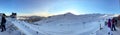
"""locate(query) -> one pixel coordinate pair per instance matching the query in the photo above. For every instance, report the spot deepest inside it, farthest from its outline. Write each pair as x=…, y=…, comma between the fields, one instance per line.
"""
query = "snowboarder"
x=3, y=21
x=113, y=24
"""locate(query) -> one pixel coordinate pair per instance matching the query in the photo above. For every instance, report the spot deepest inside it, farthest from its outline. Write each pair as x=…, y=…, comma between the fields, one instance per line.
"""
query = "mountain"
x=69, y=17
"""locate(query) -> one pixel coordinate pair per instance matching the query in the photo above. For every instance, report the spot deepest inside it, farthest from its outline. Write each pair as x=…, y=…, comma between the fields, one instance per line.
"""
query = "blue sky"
x=55, y=7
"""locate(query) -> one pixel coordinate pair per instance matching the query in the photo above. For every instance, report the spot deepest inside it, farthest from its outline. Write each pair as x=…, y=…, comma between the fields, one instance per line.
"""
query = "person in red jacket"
x=113, y=24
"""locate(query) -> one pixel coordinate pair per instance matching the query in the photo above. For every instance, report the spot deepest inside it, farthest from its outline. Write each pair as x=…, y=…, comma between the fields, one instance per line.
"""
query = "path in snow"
x=105, y=31
x=4, y=33
x=117, y=32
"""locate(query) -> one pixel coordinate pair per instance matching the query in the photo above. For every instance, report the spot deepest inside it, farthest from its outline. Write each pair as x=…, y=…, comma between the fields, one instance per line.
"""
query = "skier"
x=3, y=21
x=113, y=24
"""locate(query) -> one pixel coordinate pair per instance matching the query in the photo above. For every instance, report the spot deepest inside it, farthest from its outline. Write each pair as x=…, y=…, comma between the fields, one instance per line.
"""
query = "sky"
x=56, y=7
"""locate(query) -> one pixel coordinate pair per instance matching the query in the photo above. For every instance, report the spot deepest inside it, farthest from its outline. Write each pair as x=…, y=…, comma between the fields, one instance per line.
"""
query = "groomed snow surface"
x=67, y=24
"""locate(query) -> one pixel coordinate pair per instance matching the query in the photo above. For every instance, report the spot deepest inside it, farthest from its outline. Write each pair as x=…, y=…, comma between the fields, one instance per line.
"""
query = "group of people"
x=112, y=24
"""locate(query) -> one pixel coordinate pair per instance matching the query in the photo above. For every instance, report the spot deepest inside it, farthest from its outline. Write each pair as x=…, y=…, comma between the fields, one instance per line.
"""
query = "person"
x=3, y=21
x=105, y=23
x=113, y=24
x=109, y=26
x=109, y=23
x=13, y=15
x=116, y=21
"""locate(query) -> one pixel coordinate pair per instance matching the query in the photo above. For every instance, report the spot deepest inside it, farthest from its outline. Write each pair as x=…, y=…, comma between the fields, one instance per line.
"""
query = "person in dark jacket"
x=113, y=24
x=3, y=21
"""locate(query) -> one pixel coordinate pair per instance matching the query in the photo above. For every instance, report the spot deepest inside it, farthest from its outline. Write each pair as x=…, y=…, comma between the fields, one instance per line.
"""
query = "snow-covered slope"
x=72, y=19
x=11, y=29
x=65, y=24
x=69, y=24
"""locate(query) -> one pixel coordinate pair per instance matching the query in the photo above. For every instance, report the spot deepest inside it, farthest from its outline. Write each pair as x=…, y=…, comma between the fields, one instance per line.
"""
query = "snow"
x=66, y=24
x=24, y=28
x=105, y=31
x=4, y=33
